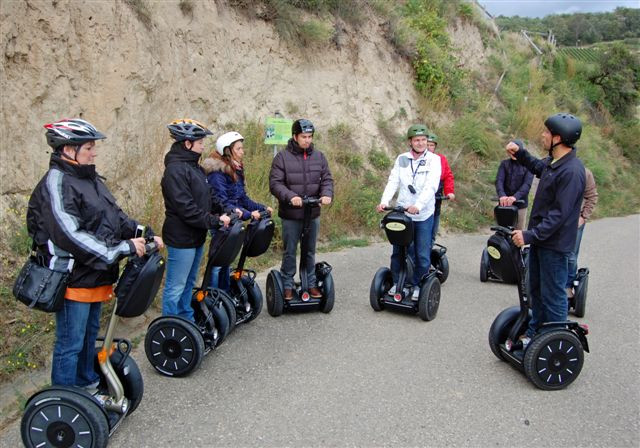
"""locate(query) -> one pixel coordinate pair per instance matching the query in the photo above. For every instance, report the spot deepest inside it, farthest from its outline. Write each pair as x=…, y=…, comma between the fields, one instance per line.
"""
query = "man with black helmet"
x=297, y=172
x=554, y=218
x=77, y=226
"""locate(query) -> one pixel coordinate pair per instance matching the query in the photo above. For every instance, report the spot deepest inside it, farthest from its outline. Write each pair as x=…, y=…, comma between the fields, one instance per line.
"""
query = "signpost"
x=277, y=131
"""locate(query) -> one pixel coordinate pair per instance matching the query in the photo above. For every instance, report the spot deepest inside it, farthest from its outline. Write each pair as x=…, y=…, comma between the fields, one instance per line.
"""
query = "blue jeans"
x=573, y=259
x=220, y=277
x=74, y=352
x=182, y=269
x=419, y=251
x=547, y=279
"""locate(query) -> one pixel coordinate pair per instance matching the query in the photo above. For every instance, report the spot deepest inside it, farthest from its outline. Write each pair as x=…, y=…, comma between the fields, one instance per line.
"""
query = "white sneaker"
x=526, y=340
x=416, y=293
x=392, y=290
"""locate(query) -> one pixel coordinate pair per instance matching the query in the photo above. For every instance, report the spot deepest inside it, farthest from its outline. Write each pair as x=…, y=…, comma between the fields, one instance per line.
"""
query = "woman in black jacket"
x=77, y=226
x=190, y=210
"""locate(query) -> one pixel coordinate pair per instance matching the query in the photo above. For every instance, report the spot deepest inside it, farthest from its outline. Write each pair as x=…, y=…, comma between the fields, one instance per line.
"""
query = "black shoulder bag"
x=39, y=287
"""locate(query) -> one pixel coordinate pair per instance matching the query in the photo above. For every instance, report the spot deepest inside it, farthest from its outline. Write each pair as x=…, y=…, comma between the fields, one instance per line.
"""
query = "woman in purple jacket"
x=225, y=175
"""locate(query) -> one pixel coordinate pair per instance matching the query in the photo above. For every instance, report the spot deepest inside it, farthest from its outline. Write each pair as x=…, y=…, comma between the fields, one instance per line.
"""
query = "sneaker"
x=392, y=290
x=569, y=293
x=416, y=293
x=525, y=340
x=315, y=293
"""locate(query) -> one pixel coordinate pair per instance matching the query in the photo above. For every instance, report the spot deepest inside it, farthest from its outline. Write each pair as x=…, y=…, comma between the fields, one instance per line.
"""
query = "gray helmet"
x=187, y=129
x=568, y=127
x=71, y=131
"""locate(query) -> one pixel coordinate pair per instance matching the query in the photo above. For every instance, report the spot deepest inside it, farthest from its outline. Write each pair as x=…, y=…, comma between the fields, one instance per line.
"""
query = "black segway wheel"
x=229, y=307
x=429, y=299
x=275, y=299
x=484, y=266
x=553, y=360
x=63, y=418
x=443, y=269
x=328, y=293
x=174, y=346
x=580, y=292
x=220, y=317
x=380, y=285
x=500, y=328
x=255, y=297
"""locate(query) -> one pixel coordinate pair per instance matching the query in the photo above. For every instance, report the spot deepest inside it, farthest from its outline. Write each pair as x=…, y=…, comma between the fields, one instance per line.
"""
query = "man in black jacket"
x=513, y=183
x=554, y=218
x=297, y=172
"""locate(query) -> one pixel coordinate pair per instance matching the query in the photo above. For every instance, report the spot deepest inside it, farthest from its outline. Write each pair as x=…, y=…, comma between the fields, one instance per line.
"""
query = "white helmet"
x=227, y=139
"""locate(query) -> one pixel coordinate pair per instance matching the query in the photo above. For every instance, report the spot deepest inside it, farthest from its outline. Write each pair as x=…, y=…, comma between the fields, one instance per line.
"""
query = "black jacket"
x=295, y=172
x=553, y=223
x=514, y=180
x=190, y=208
x=77, y=225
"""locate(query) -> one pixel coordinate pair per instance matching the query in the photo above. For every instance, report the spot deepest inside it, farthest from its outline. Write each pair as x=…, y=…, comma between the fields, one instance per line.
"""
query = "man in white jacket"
x=415, y=177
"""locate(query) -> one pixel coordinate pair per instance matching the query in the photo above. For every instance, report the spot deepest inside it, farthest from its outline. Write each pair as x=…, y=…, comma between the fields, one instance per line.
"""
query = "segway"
x=578, y=302
x=554, y=357
x=492, y=266
x=174, y=345
x=399, y=230
x=302, y=300
x=65, y=416
x=245, y=293
x=439, y=259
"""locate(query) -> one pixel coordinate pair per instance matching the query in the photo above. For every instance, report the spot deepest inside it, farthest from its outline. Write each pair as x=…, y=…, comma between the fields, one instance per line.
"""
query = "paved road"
x=360, y=378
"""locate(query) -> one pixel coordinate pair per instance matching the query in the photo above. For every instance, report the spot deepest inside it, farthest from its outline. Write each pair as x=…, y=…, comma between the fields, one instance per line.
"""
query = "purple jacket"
x=295, y=172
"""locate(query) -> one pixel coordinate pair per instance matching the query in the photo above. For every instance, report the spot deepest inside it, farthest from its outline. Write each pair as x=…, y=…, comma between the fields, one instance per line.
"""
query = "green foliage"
x=580, y=28
x=466, y=11
x=379, y=159
x=619, y=78
x=626, y=135
x=472, y=134
x=314, y=32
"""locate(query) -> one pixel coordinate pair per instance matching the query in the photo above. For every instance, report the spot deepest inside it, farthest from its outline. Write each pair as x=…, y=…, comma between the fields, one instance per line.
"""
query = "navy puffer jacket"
x=232, y=194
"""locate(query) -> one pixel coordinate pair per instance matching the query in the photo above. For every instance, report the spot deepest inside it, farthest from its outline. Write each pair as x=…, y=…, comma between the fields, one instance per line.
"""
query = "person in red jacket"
x=447, y=184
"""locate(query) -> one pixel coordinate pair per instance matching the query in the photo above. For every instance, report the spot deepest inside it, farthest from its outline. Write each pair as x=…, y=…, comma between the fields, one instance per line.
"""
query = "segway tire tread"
x=553, y=360
x=164, y=345
x=67, y=414
x=429, y=298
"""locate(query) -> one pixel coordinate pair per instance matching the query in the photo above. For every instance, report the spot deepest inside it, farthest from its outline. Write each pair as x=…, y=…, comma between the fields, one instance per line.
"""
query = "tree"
x=619, y=78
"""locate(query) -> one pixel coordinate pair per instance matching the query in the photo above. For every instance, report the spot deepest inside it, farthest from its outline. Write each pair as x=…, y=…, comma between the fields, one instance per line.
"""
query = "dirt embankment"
x=98, y=60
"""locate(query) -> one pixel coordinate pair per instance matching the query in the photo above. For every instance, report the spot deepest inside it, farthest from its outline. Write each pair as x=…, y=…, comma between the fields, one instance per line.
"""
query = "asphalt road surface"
x=360, y=378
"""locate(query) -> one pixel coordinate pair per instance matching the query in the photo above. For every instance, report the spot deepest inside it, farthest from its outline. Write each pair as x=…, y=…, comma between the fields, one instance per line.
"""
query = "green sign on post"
x=277, y=131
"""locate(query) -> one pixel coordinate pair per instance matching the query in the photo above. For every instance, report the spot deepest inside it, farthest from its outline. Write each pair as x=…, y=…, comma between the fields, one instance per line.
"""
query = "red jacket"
x=446, y=178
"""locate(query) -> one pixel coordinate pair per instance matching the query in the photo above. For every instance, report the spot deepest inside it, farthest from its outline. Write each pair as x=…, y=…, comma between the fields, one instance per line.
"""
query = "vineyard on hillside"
x=581, y=54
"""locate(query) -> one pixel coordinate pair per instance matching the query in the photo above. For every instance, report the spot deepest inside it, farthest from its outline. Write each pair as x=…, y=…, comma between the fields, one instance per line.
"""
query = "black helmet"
x=566, y=126
x=71, y=131
x=302, y=125
x=187, y=129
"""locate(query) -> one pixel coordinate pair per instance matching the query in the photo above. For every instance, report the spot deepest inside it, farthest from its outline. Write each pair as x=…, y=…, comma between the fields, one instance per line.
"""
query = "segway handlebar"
x=397, y=208
x=150, y=245
x=504, y=231
x=263, y=214
x=517, y=202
